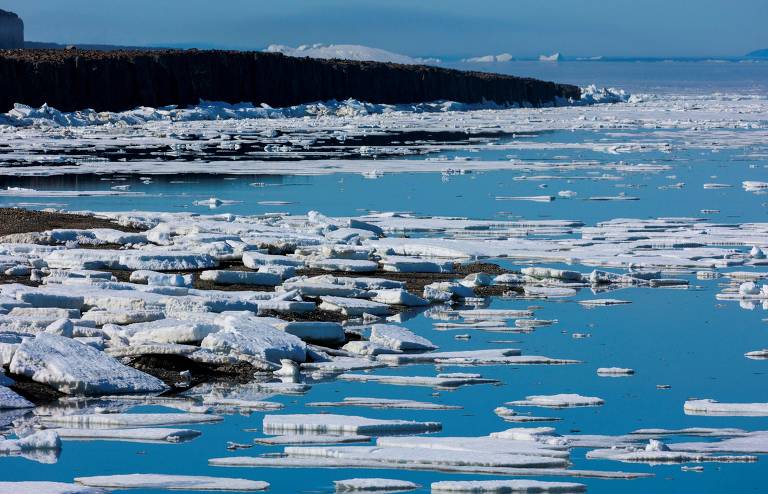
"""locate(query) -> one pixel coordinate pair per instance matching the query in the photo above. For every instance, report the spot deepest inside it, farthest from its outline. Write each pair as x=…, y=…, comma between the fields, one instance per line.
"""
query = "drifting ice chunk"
x=384, y=403
x=298, y=439
x=343, y=424
x=712, y=407
x=241, y=278
x=603, y=301
x=112, y=420
x=475, y=355
x=344, y=364
x=142, y=435
x=172, y=482
x=74, y=368
x=441, y=381
x=506, y=486
x=548, y=291
x=558, y=401
x=614, y=371
x=440, y=458
x=398, y=338
x=375, y=484
x=46, y=488
x=40, y=440
x=510, y=415
x=354, y=307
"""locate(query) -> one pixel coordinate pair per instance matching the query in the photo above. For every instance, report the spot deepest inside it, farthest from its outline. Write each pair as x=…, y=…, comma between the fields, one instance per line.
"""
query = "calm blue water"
x=684, y=338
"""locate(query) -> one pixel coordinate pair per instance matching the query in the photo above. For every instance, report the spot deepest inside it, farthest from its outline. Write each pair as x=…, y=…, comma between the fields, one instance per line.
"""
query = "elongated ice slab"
x=343, y=424
x=506, y=486
x=374, y=485
x=712, y=407
x=172, y=482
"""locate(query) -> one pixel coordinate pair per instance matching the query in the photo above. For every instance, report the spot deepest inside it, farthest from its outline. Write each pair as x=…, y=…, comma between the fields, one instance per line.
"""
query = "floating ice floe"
x=614, y=371
x=510, y=415
x=141, y=435
x=506, y=486
x=299, y=439
x=343, y=424
x=172, y=482
x=374, y=484
x=384, y=403
x=39, y=487
x=558, y=401
x=450, y=380
x=399, y=338
x=116, y=420
x=712, y=407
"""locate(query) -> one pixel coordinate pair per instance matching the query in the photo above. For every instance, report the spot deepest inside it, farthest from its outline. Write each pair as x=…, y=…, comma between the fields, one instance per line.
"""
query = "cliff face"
x=120, y=80
x=11, y=31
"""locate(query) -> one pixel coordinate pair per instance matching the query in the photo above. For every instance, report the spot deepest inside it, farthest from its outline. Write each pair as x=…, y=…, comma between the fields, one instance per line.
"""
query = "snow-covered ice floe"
x=374, y=485
x=35, y=487
x=172, y=482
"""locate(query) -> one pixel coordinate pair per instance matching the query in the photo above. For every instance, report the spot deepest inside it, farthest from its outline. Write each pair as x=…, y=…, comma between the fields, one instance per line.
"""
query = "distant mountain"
x=349, y=52
x=758, y=53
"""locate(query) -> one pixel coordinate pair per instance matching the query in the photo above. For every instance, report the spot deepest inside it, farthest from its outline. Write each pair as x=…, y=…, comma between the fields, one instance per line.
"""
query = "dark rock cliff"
x=120, y=80
x=11, y=30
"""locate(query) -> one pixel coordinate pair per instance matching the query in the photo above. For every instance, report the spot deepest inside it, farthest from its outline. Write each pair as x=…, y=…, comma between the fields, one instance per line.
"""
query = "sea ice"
x=74, y=368
x=343, y=424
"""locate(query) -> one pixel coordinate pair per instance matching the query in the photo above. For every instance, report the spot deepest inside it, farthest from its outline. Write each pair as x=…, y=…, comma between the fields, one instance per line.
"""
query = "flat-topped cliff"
x=11, y=30
x=120, y=80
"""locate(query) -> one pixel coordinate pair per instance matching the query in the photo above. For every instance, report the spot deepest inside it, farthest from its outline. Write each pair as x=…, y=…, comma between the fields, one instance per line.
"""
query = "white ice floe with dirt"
x=74, y=368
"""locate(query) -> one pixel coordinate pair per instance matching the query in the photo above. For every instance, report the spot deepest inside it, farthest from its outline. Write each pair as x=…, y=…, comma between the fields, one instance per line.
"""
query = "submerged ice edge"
x=23, y=115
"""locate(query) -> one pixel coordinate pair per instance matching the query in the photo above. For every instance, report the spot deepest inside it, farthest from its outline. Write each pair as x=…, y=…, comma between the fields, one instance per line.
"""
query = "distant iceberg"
x=349, y=52
x=501, y=57
x=555, y=57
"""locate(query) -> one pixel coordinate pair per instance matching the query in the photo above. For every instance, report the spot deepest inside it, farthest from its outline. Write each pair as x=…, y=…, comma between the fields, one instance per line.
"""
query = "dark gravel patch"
x=18, y=220
x=168, y=369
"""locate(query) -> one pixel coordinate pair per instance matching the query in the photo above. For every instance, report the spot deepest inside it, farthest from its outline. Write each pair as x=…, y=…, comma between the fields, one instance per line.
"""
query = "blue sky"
x=415, y=27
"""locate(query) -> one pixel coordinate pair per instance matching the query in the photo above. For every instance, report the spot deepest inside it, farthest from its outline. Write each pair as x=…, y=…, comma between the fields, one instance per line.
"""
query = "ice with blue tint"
x=682, y=147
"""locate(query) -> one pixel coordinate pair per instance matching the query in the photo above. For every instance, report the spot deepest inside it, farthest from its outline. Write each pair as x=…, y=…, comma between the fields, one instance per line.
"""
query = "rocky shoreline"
x=75, y=79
